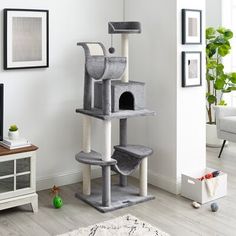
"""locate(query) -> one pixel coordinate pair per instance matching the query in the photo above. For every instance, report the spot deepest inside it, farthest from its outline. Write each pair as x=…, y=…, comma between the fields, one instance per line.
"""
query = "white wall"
x=191, y=123
x=214, y=13
x=42, y=102
x=153, y=60
x=177, y=133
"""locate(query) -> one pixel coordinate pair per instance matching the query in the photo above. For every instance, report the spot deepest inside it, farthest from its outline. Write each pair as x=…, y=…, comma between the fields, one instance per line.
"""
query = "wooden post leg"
x=34, y=203
x=87, y=148
x=143, y=177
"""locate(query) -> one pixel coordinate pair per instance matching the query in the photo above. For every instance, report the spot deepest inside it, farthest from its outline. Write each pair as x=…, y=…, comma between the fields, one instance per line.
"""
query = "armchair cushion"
x=223, y=111
x=228, y=124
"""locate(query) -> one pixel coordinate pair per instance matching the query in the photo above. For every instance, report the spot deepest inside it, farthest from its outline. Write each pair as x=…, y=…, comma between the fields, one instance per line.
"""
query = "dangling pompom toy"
x=111, y=49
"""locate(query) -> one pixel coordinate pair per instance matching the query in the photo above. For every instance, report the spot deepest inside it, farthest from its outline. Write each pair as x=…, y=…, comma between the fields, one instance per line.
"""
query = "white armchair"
x=226, y=124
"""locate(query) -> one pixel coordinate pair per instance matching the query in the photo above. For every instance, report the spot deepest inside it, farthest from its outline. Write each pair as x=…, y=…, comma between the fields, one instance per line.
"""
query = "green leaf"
x=210, y=77
x=211, y=64
x=210, y=33
x=222, y=103
x=232, y=77
x=221, y=30
x=233, y=88
x=219, y=84
x=211, y=49
x=223, y=77
x=220, y=69
x=211, y=99
x=228, y=34
x=223, y=50
x=220, y=40
x=228, y=90
x=220, y=66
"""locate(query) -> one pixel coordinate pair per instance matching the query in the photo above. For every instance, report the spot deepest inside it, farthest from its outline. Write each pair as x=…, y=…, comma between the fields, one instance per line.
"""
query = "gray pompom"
x=111, y=50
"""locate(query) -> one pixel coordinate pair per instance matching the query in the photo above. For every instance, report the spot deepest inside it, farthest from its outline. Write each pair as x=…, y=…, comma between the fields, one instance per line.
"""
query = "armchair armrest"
x=222, y=111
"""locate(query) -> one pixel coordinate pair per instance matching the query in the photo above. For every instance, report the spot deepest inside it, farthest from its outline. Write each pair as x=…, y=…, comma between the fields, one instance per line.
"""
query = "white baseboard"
x=157, y=180
x=64, y=179
x=163, y=182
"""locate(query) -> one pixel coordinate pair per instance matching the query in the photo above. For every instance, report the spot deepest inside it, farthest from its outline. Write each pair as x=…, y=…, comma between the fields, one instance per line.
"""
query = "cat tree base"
x=121, y=197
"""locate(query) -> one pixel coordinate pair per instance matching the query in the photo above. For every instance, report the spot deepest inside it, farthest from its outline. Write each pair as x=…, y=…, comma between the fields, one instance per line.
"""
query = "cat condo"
x=114, y=96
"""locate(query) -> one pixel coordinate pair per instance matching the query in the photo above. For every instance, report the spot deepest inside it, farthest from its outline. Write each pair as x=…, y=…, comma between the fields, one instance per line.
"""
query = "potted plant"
x=218, y=82
x=13, y=132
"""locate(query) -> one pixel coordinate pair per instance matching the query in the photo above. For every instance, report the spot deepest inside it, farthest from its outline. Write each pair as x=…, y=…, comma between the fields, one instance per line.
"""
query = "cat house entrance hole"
x=126, y=101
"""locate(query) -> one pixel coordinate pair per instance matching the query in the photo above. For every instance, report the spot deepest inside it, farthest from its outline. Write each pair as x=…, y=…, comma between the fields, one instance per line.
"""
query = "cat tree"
x=113, y=99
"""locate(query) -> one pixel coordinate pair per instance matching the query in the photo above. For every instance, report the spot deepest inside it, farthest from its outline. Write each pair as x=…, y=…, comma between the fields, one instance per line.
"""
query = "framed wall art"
x=191, y=26
x=191, y=69
x=25, y=38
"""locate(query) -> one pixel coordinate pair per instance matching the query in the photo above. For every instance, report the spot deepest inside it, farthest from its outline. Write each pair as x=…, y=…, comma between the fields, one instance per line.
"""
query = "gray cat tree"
x=112, y=99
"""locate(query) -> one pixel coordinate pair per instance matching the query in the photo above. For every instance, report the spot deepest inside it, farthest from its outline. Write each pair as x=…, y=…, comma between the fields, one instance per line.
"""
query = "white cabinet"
x=18, y=177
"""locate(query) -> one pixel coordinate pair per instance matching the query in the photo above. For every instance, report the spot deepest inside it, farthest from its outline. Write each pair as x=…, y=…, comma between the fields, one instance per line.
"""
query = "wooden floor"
x=172, y=214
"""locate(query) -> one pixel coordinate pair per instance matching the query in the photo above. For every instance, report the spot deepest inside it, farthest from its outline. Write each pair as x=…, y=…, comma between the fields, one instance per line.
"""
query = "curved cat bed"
x=102, y=67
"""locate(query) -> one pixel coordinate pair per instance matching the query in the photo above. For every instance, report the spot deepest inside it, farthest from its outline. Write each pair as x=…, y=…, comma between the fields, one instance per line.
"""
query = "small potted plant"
x=13, y=132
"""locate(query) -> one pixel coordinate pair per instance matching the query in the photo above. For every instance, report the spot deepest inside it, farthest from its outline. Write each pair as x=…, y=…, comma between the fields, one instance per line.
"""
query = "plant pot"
x=13, y=135
x=211, y=136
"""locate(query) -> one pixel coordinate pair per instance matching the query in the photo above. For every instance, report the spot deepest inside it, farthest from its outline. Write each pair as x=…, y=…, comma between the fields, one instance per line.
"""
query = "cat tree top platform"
x=122, y=114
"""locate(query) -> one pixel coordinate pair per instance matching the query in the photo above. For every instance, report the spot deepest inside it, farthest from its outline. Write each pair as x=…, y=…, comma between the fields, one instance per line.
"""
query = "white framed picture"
x=25, y=38
x=191, y=69
x=191, y=26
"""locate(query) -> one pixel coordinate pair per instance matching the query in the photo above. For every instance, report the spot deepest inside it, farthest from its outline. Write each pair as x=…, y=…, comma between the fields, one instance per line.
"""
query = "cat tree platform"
x=122, y=114
x=124, y=27
x=120, y=197
x=93, y=158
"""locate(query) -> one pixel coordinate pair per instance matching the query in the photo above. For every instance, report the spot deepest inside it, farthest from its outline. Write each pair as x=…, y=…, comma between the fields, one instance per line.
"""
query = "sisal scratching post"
x=143, y=177
x=125, y=53
x=86, y=148
x=123, y=142
x=106, y=170
x=107, y=140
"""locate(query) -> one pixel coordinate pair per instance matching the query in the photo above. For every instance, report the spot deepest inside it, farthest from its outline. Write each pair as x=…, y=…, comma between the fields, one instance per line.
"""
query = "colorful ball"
x=57, y=202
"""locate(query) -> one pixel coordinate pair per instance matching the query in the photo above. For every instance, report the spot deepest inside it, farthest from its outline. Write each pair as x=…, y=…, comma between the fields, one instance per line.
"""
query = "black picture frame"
x=192, y=69
x=1, y=110
x=25, y=50
x=195, y=36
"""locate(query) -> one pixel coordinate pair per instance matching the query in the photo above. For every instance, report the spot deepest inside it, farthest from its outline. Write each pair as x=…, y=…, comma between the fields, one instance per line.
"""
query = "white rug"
x=125, y=225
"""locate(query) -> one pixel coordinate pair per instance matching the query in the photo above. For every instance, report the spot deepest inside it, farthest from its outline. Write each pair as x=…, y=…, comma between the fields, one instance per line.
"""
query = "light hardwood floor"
x=172, y=214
